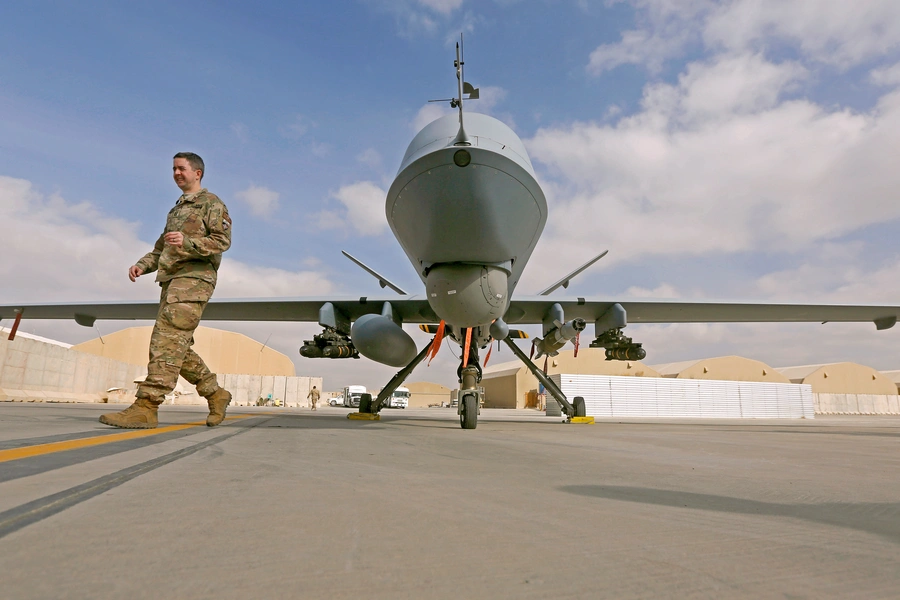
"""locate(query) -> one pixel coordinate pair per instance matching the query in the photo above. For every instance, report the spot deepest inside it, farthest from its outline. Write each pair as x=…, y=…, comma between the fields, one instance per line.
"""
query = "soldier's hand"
x=174, y=238
x=134, y=272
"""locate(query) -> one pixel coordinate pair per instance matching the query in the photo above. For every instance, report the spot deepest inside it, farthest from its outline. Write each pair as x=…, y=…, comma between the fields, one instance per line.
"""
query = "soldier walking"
x=186, y=257
x=313, y=396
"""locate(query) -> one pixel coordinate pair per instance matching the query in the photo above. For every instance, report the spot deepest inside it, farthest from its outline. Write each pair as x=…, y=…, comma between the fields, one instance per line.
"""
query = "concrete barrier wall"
x=35, y=371
x=856, y=404
x=246, y=390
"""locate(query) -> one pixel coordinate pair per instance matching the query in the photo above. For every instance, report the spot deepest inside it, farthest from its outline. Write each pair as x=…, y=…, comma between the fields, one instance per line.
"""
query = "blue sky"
x=741, y=149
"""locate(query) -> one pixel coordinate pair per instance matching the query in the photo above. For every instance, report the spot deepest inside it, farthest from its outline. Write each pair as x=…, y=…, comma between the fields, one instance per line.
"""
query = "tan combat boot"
x=140, y=415
x=217, y=403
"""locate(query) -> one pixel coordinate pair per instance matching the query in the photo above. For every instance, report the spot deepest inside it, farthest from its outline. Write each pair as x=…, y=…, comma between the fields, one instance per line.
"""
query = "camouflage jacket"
x=204, y=221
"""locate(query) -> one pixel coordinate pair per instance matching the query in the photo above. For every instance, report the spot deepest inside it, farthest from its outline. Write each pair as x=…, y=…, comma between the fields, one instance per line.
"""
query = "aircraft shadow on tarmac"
x=892, y=433
x=341, y=422
x=306, y=422
x=826, y=431
x=878, y=518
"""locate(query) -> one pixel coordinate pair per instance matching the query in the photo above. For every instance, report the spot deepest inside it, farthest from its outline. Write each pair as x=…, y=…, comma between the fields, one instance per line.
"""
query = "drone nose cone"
x=467, y=295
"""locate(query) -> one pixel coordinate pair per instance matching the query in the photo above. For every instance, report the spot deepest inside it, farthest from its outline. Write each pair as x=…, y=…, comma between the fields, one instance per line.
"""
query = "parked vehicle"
x=399, y=399
x=352, y=394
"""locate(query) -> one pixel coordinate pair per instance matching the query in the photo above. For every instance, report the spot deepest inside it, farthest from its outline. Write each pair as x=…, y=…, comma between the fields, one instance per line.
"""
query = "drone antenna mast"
x=461, y=138
x=462, y=87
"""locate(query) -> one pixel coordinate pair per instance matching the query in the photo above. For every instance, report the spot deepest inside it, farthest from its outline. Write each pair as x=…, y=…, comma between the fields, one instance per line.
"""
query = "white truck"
x=399, y=399
x=352, y=394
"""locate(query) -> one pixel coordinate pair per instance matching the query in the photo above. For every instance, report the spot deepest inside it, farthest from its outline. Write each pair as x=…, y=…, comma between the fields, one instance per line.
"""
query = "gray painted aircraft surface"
x=467, y=210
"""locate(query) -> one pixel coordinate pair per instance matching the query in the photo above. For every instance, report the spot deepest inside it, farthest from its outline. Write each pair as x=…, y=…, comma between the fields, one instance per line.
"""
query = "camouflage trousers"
x=181, y=305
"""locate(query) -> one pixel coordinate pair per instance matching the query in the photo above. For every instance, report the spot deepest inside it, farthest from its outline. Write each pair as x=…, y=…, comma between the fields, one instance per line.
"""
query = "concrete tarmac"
x=284, y=503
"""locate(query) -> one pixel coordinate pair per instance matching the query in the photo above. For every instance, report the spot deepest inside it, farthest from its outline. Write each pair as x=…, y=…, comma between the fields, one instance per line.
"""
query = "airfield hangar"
x=423, y=394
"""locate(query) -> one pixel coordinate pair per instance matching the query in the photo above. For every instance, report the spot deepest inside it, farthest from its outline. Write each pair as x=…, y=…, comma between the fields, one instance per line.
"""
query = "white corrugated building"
x=511, y=384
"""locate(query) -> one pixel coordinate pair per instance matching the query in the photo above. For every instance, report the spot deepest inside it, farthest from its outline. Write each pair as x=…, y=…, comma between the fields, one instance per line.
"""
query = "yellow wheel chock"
x=357, y=416
x=583, y=420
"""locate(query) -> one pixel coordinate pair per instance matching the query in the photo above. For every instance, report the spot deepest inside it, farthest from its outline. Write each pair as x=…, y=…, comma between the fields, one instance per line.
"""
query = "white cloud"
x=665, y=28
x=68, y=252
x=834, y=32
x=777, y=344
x=417, y=17
x=312, y=262
x=83, y=254
x=428, y=113
x=444, y=7
x=330, y=219
x=364, y=209
x=262, y=201
x=319, y=149
x=57, y=250
x=490, y=96
x=717, y=163
x=739, y=84
x=664, y=290
x=296, y=128
x=886, y=76
x=240, y=280
x=727, y=163
x=637, y=48
x=370, y=157
x=840, y=274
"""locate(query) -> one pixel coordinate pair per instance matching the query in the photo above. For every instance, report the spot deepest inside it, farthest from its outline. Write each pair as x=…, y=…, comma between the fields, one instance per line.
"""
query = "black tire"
x=365, y=403
x=580, y=408
x=468, y=412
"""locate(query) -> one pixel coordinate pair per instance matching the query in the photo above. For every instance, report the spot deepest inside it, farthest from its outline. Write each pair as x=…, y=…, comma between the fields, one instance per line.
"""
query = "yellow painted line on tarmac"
x=40, y=449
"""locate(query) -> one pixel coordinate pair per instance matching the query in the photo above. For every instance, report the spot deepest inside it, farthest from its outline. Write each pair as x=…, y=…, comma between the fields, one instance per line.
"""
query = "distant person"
x=313, y=396
x=186, y=257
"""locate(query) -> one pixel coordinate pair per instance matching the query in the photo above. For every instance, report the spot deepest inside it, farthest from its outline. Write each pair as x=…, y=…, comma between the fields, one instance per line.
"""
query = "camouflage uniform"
x=313, y=396
x=187, y=276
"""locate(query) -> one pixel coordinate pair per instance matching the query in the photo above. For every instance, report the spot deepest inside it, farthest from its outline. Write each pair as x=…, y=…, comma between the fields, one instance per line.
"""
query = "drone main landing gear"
x=576, y=411
x=369, y=408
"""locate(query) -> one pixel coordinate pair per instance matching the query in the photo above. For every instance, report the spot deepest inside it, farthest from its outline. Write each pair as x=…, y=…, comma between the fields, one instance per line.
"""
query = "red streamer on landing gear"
x=436, y=343
x=468, y=347
x=577, y=338
x=545, y=363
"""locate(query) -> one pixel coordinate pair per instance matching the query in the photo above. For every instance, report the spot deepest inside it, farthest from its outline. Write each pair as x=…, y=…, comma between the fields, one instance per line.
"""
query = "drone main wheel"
x=580, y=408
